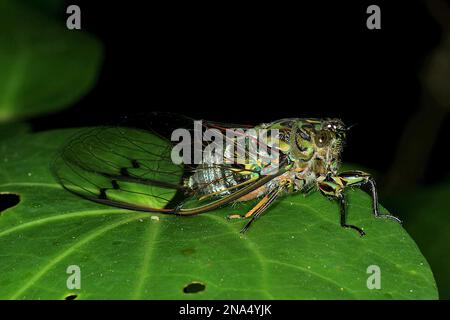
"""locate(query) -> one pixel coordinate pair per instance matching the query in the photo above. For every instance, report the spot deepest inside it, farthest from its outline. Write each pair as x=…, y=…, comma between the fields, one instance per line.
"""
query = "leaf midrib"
x=149, y=248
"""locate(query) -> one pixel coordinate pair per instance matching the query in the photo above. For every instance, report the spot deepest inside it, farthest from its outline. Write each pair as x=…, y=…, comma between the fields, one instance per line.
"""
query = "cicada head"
x=319, y=142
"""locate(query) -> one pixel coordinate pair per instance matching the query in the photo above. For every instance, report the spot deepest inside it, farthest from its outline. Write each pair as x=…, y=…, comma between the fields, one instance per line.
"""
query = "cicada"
x=139, y=168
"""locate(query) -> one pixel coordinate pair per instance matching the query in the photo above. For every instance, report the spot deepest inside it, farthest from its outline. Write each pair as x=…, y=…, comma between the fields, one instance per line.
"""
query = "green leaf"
x=427, y=219
x=44, y=66
x=297, y=250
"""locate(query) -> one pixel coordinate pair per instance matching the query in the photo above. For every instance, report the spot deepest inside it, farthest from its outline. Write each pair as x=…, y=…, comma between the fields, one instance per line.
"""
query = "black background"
x=263, y=61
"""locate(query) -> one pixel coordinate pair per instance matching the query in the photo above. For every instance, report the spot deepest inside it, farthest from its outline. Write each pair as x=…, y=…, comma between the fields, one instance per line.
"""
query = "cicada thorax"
x=295, y=137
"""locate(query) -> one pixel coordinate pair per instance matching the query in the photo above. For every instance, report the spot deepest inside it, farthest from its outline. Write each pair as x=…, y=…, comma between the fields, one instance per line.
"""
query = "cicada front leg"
x=360, y=179
x=333, y=186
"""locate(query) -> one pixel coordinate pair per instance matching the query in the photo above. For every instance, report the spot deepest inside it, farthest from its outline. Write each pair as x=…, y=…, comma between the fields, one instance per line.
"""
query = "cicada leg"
x=262, y=206
x=343, y=215
x=333, y=186
x=359, y=179
x=252, y=195
x=266, y=201
x=251, y=211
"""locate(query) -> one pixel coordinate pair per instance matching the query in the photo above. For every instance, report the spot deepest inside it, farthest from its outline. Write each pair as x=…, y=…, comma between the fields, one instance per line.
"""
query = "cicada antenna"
x=350, y=126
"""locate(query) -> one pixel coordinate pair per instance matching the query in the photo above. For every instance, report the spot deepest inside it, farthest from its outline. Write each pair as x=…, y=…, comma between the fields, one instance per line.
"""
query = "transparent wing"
x=119, y=166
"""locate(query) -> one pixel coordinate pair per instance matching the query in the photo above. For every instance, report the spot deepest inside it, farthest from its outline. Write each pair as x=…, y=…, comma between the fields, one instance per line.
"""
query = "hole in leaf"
x=71, y=297
x=194, y=287
x=8, y=200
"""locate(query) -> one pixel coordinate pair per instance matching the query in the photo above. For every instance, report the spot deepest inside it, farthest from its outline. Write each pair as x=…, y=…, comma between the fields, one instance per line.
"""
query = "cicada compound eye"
x=322, y=138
